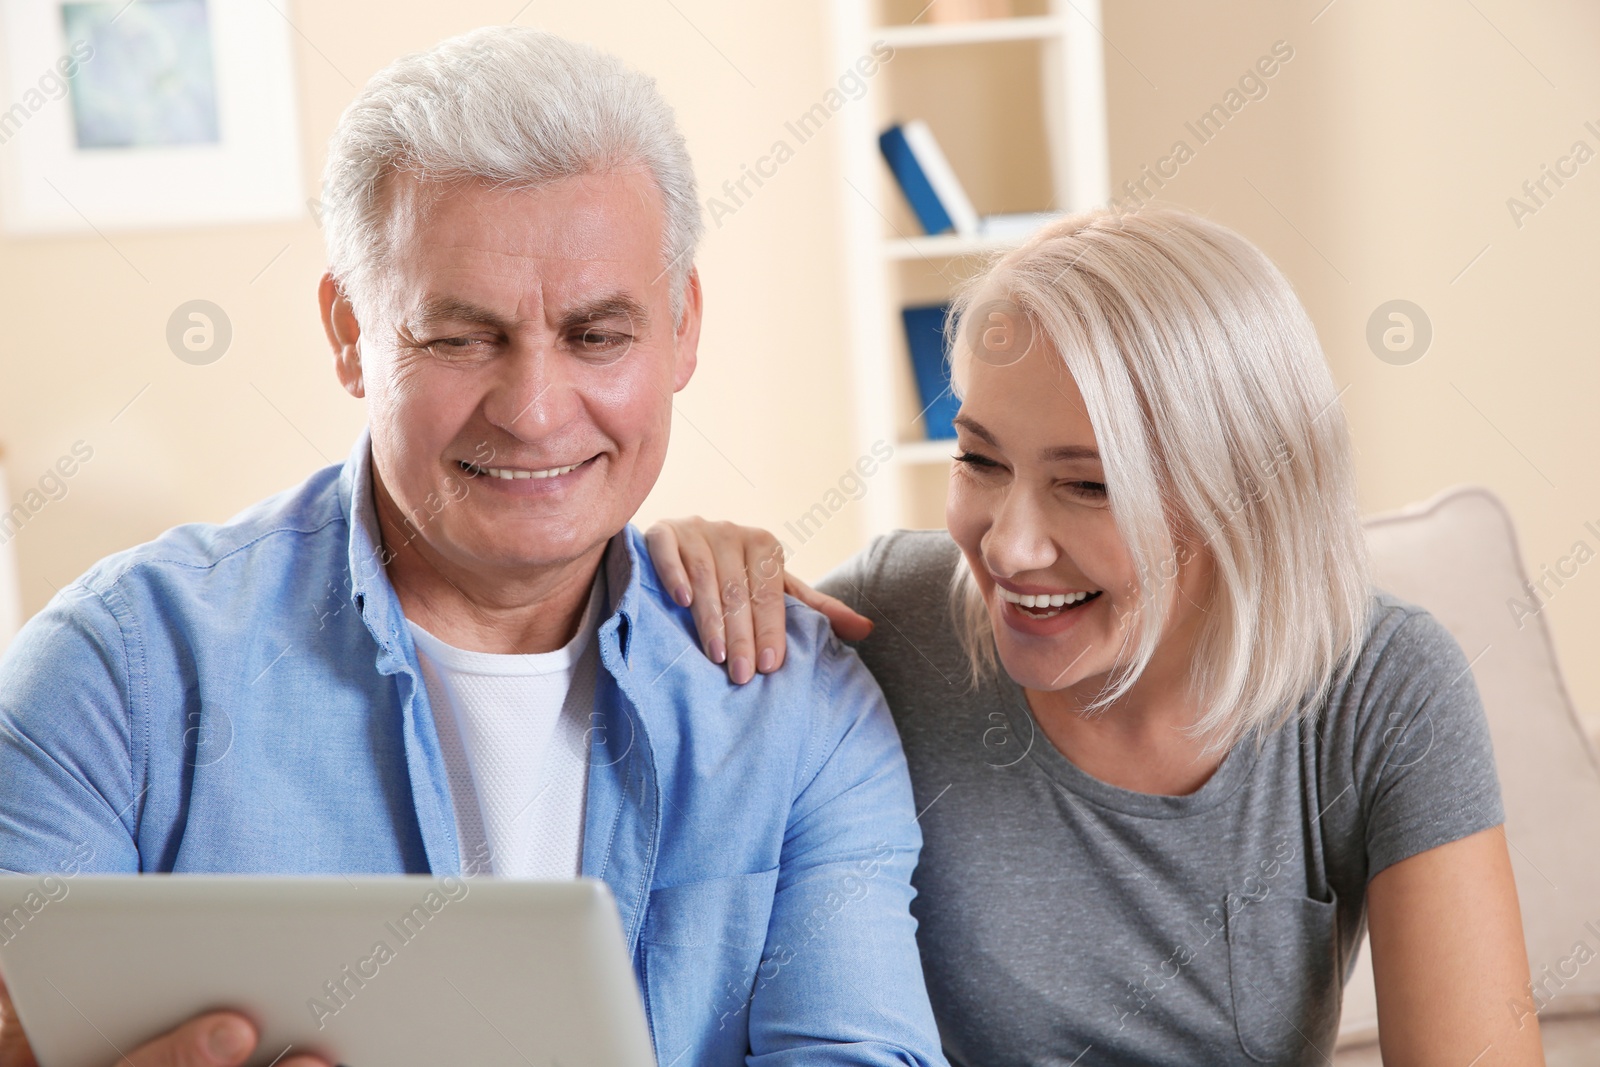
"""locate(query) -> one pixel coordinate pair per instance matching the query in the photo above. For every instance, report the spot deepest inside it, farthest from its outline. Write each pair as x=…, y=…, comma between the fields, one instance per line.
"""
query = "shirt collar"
x=370, y=592
x=624, y=585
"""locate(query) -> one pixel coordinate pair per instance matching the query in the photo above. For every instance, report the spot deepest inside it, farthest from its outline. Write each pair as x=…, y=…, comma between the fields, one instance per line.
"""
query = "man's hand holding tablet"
x=216, y=1039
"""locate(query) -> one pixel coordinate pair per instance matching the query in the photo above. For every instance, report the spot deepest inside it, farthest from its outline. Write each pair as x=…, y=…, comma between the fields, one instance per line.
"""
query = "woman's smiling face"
x=1028, y=505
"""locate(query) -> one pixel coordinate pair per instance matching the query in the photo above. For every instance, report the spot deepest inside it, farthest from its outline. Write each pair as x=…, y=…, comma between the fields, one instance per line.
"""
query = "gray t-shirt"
x=1067, y=921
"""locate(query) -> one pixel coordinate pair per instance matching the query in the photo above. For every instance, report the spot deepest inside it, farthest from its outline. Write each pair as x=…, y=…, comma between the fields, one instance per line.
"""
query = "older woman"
x=1172, y=752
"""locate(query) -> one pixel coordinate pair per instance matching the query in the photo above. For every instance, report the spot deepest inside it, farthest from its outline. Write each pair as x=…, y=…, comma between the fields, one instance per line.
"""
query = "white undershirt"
x=513, y=730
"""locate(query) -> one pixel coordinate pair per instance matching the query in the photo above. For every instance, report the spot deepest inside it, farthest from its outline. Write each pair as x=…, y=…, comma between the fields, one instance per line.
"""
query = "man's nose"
x=532, y=396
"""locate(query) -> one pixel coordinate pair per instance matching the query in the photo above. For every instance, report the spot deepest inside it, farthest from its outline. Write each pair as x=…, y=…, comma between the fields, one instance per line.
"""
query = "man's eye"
x=452, y=347
x=596, y=340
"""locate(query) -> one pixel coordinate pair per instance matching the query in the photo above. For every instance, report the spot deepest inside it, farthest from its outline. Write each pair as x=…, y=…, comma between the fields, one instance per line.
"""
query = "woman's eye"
x=974, y=460
x=1096, y=490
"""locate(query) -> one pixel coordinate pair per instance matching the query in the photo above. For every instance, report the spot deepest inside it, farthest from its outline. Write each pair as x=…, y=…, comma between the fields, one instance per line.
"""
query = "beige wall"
x=1377, y=167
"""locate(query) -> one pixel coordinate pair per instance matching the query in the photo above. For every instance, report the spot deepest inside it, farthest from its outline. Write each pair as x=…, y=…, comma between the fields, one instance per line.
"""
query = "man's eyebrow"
x=451, y=309
x=615, y=306
x=1059, y=452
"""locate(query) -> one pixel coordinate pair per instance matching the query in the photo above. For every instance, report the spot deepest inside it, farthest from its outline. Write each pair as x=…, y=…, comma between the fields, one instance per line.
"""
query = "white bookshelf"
x=1072, y=102
x=922, y=35
x=942, y=246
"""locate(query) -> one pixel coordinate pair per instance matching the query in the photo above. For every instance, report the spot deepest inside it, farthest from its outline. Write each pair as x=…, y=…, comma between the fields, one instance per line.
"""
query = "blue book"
x=930, y=362
x=914, y=180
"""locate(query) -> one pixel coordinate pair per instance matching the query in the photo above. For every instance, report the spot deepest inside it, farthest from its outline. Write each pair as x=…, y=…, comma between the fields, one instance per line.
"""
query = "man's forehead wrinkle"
x=400, y=228
x=567, y=264
x=409, y=203
x=566, y=259
x=473, y=201
x=584, y=233
x=422, y=218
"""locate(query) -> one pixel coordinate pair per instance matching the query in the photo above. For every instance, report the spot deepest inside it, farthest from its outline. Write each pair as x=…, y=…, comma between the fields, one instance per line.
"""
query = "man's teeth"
x=508, y=473
x=1044, y=600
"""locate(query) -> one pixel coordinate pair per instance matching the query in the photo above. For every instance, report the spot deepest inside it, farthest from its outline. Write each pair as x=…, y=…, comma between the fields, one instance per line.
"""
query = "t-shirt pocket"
x=1283, y=966
x=701, y=945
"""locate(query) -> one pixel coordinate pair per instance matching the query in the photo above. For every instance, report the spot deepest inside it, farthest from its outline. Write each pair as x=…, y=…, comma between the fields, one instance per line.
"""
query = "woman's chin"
x=1045, y=669
x=1049, y=652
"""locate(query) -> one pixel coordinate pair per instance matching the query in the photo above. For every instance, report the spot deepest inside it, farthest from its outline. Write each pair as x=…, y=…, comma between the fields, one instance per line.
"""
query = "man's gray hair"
x=509, y=105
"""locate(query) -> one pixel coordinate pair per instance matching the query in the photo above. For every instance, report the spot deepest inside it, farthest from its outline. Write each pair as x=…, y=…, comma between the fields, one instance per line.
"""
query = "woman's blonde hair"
x=1218, y=425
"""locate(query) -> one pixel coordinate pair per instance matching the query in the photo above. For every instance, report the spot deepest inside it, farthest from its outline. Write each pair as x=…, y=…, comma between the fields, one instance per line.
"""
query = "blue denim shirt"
x=246, y=698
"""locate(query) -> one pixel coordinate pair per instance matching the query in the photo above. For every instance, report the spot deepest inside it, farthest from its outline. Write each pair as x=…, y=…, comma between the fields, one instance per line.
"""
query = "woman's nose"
x=1019, y=540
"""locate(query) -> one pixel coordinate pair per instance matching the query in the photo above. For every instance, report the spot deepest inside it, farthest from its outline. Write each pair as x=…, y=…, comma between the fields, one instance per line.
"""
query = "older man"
x=451, y=651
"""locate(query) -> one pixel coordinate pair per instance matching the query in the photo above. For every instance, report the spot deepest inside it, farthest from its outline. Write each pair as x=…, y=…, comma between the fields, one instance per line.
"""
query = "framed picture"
x=138, y=114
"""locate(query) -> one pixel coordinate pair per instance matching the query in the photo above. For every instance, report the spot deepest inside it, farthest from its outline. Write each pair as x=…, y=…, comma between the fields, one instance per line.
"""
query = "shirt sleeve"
x=1425, y=750
x=67, y=797
x=840, y=980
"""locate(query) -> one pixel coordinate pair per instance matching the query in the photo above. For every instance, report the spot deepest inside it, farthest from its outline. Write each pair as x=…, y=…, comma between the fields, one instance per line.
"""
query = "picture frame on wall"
x=147, y=114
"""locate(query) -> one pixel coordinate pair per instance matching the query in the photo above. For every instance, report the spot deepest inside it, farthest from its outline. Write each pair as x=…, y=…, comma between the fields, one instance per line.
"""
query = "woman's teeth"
x=509, y=473
x=1046, y=605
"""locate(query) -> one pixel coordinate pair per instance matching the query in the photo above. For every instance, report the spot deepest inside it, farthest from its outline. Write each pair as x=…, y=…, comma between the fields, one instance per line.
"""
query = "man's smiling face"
x=520, y=367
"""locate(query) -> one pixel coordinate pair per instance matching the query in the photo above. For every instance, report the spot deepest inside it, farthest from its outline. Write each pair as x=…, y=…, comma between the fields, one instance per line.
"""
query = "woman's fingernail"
x=681, y=595
x=767, y=660
x=740, y=671
x=719, y=651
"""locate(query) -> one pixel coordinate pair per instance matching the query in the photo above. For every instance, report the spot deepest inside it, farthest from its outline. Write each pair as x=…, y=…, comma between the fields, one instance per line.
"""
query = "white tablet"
x=365, y=971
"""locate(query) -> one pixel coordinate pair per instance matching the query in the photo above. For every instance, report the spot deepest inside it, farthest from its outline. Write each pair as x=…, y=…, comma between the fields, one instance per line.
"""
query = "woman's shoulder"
x=1409, y=732
x=1405, y=641
x=902, y=583
x=900, y=568
x=1405, y=661
x=1409, y=693
x=1407, y=687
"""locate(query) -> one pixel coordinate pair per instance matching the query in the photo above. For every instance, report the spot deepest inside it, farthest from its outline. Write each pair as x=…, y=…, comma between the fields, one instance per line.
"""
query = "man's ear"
x=344, y=335
x=687, y=345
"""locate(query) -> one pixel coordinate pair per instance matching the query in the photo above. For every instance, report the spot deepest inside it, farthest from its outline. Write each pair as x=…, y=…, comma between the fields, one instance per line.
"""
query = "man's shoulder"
x=277, y=524
x=820, y=689
x=197, y=597
x=668, y=639
x=773, y=749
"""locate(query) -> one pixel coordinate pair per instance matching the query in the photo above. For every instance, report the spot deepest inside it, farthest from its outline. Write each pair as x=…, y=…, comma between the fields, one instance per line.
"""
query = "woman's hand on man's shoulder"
x=732, y=580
